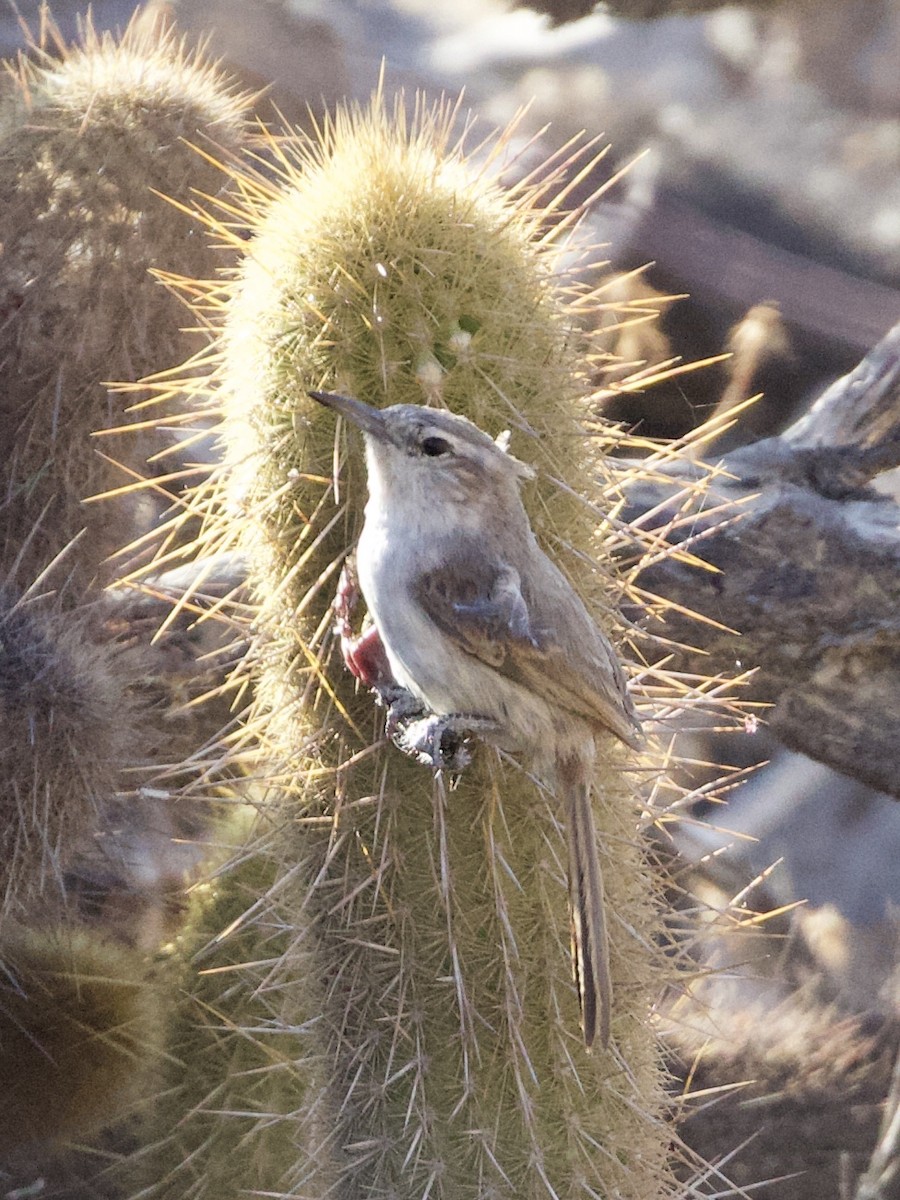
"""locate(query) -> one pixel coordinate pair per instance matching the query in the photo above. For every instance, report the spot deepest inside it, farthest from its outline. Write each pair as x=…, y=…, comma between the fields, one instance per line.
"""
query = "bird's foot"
x=403, y=709
x=442, y=742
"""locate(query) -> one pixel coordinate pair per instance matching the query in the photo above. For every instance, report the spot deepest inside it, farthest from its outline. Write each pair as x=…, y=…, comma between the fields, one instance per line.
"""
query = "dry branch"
x=807, y=580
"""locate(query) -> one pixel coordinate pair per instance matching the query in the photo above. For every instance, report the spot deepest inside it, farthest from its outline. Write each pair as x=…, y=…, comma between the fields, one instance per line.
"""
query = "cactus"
x=69, y=732
x=395, y=1016
x=89, y=146
x=81, y=1033
x=86, y=143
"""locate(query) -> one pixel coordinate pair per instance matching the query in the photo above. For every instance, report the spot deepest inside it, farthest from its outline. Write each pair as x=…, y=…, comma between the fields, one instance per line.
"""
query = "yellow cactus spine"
x=404, y=986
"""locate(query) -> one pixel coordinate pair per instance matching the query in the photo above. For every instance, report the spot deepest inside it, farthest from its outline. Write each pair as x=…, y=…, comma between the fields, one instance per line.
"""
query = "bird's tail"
x=590, y=946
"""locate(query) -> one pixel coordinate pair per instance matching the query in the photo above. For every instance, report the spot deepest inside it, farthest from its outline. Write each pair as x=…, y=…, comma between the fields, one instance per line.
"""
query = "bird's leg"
x=404, y=709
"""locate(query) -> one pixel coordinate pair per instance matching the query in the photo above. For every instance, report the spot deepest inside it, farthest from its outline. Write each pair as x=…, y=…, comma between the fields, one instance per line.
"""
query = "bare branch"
x=809, y=575
x=561, y=11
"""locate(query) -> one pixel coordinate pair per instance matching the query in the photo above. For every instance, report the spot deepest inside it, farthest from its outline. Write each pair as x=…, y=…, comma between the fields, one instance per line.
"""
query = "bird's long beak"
x=363, y=416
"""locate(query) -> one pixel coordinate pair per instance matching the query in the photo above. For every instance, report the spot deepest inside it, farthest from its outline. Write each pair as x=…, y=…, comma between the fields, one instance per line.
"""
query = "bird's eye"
x=434, y=446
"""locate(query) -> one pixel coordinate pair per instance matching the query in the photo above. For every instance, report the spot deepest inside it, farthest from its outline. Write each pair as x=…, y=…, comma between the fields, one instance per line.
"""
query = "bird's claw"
x=403, y=709
x=442, y=742
x=433, y=743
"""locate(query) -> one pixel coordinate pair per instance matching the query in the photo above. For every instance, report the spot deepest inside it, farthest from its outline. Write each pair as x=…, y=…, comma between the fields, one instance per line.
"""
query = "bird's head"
x=434, y=455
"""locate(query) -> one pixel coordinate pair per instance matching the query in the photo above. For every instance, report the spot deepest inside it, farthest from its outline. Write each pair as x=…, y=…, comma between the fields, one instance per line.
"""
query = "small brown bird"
x=488, y=635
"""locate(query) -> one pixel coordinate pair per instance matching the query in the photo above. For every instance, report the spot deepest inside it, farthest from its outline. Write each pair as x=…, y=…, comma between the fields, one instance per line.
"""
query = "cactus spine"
x=405, y=983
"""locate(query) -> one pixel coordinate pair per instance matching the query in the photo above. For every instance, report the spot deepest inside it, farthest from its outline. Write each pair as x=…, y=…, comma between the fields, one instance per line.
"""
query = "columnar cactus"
x=69, y=733
x=81, y=1034
x=89, y=147
x=396, y=1015
x=87, y=144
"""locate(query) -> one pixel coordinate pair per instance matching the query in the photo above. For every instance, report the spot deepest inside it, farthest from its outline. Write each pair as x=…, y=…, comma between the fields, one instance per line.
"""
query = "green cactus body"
x=89, y=146
x=419, y=998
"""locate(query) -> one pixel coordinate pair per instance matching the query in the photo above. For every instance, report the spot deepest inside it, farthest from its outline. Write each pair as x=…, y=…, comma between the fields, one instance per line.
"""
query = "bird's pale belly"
x=456, y=684
x=449, y=681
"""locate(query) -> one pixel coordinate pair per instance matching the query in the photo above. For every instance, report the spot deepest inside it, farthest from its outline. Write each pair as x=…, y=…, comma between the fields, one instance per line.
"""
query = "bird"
x=485, y=633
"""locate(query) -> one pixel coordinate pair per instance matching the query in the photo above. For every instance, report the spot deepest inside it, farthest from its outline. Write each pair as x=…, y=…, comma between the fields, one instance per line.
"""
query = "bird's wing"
x=478, y=604
x=586, y=679
x=552, y=648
